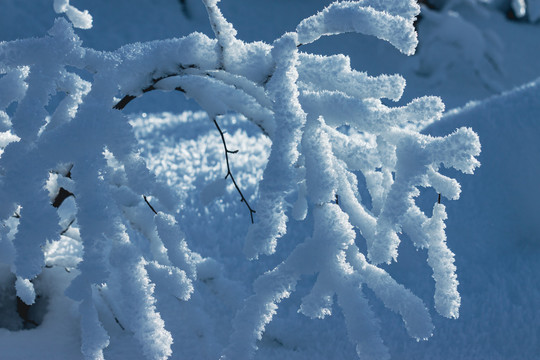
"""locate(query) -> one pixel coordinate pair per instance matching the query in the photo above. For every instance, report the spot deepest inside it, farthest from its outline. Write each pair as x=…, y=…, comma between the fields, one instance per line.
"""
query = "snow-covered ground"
x=481, y=64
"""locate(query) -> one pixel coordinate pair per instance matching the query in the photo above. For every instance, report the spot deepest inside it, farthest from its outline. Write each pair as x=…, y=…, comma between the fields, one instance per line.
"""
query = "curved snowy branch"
x=359, y=16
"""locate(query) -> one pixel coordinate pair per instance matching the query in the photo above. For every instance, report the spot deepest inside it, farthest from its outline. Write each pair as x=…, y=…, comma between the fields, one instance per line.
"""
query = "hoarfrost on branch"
x=327, y=123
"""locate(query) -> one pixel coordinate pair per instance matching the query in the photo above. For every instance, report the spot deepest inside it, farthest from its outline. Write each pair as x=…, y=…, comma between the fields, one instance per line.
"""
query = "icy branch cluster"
x=86, y=148
x=327, y=124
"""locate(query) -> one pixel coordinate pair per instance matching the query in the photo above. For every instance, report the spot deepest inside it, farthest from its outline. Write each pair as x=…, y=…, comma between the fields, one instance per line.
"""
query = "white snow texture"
x=327, y=125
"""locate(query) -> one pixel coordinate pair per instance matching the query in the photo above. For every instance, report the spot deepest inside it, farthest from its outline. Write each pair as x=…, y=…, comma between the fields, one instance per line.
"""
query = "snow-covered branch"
x=326, y=122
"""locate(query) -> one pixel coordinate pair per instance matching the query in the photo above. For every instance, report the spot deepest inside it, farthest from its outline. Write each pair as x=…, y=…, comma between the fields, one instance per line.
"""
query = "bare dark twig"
x=119, y=323
x=439, y=200
x=151, y=207
x=67, y=227
x=229, y=173
x=110, y=309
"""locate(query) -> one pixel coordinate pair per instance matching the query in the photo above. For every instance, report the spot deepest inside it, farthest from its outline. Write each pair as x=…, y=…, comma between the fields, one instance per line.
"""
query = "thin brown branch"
x=67, y=227
x=229, y=172
x=110, y=309
x=147, y=203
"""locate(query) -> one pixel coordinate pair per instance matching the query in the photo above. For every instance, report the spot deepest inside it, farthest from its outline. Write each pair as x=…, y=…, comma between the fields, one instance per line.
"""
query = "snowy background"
x=485, y=68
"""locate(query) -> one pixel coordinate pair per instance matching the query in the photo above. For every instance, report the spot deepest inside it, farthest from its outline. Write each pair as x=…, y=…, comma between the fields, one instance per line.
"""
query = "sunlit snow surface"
x=186, y=151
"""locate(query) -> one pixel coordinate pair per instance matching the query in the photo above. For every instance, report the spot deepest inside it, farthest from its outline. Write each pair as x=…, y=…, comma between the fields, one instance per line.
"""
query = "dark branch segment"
x=122, y=103
x=148, y=203
x=62, y=195
x=128, y=98
x=229, y=173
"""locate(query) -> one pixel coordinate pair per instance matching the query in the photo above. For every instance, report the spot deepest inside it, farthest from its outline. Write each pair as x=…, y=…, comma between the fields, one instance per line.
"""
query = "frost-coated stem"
x=224, y=31
x=280, y=173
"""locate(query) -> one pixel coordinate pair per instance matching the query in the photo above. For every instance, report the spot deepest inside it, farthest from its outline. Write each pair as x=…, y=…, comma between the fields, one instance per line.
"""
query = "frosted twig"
x=224, y=31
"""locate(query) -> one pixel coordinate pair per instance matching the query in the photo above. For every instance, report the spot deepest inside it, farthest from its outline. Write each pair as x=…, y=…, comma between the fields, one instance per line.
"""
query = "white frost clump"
x=25, y=290
x=327, y=124
x=392, y=23
x=519, y=7
x=80, y=19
